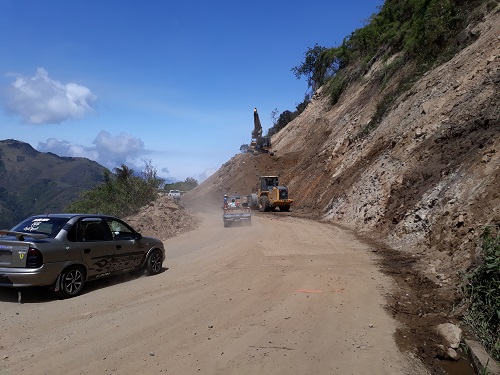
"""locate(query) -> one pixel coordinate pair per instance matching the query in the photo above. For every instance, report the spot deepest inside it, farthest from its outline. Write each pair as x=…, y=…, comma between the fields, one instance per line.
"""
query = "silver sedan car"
x=64, y=251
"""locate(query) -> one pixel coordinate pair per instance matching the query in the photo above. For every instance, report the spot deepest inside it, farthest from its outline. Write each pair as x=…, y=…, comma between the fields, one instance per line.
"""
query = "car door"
x=129, y=249
x=96, y=246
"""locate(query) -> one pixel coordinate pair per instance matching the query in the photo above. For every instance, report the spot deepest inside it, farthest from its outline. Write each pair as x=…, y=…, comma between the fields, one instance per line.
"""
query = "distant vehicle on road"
x=236, y=210
x=64, y=251
x=176, y=194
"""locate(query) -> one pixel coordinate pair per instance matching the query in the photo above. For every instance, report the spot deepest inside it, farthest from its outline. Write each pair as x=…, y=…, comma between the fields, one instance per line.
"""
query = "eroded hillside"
x=426, y=178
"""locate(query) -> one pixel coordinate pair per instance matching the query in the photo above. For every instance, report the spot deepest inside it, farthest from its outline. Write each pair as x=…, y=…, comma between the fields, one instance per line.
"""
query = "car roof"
x=69, y=216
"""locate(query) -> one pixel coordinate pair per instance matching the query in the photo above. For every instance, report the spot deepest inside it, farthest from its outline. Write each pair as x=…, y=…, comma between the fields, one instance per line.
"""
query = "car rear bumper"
x=237, y=218
x=25, y=277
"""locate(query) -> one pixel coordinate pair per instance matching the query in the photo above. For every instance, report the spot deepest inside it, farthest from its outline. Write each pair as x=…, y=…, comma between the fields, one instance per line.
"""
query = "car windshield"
x=41, y=225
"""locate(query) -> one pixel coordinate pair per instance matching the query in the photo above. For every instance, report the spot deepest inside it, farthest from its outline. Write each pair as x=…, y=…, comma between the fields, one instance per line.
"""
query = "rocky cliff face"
x=427, y=178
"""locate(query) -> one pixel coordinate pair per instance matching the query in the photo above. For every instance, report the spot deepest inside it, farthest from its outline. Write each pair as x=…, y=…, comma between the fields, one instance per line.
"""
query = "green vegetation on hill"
x=121, y=194
x=281, y=120
x=33, y=182
x=427, y=31
x=417, y=33
x=482, y=293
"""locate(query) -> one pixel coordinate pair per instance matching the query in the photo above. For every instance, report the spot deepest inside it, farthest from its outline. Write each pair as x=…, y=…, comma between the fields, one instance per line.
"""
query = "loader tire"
x=254, y=201
x=264, y=204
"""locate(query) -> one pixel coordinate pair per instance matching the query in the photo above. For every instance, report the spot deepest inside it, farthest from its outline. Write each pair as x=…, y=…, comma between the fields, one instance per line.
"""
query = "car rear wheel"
x=154, y=262
x=70, y=282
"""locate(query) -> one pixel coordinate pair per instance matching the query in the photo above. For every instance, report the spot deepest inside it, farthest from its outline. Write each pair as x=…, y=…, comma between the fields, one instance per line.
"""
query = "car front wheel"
x=154, y=262
x=70, y=282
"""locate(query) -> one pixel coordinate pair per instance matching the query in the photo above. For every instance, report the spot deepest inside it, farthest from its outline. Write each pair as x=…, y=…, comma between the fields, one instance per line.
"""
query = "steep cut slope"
x=429, y=174
x=426, y=178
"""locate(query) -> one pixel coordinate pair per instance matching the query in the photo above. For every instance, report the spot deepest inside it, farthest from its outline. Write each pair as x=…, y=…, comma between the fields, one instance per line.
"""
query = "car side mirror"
x=138, y=236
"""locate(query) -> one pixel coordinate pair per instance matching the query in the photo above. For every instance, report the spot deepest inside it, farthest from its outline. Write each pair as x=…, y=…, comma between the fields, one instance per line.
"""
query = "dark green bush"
x=279, y=122
x=481, y=293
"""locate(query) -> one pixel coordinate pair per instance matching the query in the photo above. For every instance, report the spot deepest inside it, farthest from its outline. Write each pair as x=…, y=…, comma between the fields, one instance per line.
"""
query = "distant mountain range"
x=33, y=182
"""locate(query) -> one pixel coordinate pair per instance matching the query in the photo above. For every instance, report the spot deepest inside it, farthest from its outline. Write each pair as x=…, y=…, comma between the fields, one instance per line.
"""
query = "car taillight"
x=34, y=258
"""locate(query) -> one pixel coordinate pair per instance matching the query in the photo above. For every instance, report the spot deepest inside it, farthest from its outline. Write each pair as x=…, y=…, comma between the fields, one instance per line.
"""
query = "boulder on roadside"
x=450, y=333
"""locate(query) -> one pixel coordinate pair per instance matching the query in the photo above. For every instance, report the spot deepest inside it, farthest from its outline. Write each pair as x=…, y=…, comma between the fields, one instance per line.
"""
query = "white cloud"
x=65, y=148
x=110, y=151
x=122, y=149
x=42, y=100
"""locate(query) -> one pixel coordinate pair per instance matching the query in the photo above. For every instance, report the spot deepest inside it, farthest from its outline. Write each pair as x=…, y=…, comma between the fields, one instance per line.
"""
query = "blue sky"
x=123, y=81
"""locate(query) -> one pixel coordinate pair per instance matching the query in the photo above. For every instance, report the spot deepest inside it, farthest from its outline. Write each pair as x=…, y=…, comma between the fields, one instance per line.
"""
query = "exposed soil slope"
x=427, y=177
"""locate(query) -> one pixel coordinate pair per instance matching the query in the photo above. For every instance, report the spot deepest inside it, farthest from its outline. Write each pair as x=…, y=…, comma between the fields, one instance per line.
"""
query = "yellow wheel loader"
x=271, y=195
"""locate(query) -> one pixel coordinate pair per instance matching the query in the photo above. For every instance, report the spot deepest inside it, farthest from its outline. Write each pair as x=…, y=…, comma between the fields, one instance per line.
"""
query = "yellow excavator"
x=271, y=195
x=259, y=144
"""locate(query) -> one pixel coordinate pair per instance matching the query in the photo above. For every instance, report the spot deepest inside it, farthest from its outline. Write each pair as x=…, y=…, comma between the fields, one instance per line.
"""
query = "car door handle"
x=118, y=247
x=87, y=251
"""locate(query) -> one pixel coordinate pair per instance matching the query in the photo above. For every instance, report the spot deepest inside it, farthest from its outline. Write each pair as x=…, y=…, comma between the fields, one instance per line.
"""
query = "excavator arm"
x=259, y=144
x=257, y=127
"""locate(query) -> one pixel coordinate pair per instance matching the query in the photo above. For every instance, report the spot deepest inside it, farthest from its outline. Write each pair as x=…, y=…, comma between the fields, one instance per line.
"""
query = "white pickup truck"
x=176, y=194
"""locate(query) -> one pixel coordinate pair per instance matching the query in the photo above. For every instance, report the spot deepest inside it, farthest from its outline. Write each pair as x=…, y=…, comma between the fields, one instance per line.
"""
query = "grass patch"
x=481, y=293
x=336, y=86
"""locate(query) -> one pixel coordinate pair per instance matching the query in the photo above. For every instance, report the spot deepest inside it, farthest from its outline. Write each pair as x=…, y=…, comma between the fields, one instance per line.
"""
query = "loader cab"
x=267, y=183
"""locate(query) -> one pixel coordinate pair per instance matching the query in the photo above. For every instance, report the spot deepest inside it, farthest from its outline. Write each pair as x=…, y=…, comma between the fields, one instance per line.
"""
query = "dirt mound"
x=163, y=218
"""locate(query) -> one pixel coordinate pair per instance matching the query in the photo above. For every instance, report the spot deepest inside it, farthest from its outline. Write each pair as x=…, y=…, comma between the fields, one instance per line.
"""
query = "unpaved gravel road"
x=283, y=296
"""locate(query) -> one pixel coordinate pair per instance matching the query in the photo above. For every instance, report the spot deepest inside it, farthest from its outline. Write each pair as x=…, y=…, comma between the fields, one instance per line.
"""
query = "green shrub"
x=121, y=194
x=336, y=86
x=481, y=293
x=285, y=117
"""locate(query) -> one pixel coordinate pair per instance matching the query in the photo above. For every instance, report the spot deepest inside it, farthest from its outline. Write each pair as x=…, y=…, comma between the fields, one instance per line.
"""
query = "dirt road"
x=283, y=296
